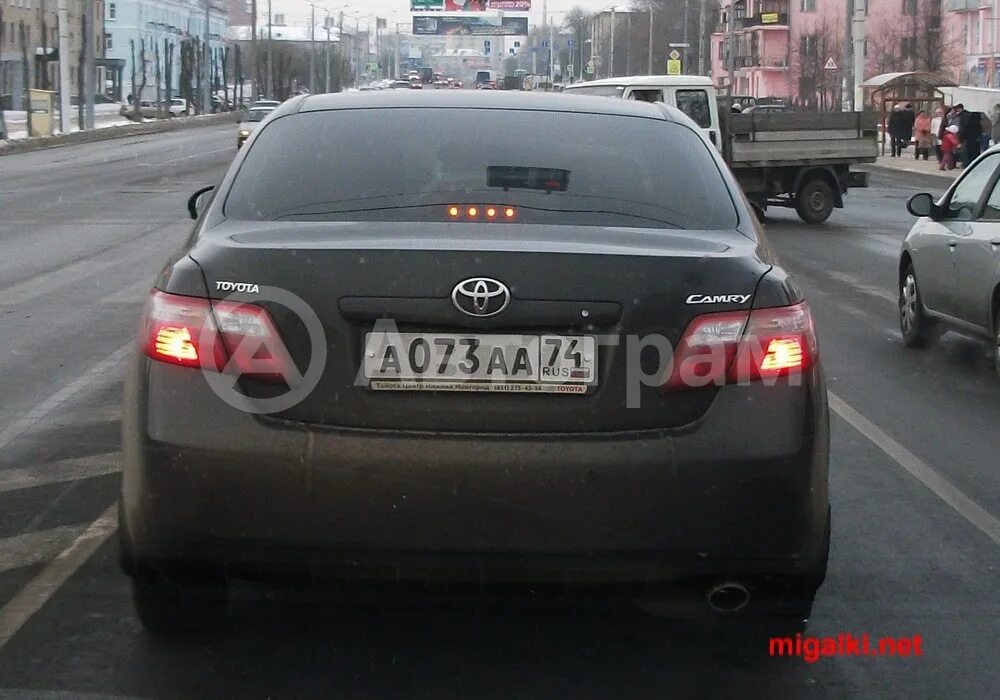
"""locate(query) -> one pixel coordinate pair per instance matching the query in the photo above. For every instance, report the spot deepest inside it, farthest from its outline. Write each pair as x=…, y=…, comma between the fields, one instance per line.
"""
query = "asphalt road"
x=915, y=486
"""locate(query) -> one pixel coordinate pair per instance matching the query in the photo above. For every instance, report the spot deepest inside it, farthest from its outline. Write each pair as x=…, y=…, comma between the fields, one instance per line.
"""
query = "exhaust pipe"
x=729, y=597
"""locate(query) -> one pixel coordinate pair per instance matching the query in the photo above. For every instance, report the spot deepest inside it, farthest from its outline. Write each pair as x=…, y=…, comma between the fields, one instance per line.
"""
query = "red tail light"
x=223, y=336
x=744, y=346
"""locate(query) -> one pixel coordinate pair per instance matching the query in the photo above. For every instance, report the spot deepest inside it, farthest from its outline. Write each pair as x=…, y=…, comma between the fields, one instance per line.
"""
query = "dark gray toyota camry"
x=476, y=337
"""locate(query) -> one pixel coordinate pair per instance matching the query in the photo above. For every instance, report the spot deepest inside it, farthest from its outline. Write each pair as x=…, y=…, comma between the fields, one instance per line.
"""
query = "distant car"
x=178, y=106
x=250, y=122
x=949, y=267
x=416, y=85
x=265, y=103
x=396, y=84
x=148, y=109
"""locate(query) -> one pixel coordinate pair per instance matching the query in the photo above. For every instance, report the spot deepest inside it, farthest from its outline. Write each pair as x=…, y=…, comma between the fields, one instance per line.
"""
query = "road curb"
x=940, y=174
x=39, y=143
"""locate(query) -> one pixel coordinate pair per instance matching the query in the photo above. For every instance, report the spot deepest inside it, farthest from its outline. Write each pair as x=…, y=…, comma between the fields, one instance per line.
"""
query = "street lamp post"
x=327, y=73
x=206, y=98
x=649, y=64
x=312, y=49
x=270, y=73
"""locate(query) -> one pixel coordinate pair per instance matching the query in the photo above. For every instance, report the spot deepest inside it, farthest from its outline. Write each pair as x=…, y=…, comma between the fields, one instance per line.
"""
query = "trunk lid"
x=630, y=281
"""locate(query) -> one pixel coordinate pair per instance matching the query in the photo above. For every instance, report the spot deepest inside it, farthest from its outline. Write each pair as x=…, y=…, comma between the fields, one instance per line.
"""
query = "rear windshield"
x=410, y=164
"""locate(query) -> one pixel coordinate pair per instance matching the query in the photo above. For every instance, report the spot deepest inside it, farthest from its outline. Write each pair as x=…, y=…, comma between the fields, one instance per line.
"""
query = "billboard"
x=469, y=5
x=482, y=25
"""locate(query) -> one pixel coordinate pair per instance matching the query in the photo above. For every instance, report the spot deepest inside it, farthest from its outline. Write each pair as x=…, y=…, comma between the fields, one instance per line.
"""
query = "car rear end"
x=542, y=362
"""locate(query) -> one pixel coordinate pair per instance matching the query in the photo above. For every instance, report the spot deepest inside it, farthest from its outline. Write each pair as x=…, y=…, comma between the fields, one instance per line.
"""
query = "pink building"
x=796, y=49
x=978, y=34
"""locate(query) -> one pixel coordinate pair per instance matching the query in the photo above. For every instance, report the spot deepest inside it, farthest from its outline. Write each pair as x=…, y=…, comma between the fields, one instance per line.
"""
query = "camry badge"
x=480, y=296
x=717, y=299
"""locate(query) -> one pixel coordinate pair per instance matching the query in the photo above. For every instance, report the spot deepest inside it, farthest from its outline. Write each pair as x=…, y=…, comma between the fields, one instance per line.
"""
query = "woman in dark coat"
x=900, y=130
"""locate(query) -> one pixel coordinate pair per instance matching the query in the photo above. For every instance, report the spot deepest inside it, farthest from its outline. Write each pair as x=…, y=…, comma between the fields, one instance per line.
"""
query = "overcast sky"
x=399, y=10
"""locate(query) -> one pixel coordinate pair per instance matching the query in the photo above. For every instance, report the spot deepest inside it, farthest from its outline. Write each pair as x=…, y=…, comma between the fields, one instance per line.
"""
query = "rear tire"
x=814, y=202
x=916, y=327
x=169, y=605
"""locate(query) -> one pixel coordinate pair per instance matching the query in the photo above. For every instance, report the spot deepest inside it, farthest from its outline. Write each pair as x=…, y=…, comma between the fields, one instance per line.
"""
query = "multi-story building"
x=41, y=33
x=145, y=27
x=979, y=39
x=797, y=49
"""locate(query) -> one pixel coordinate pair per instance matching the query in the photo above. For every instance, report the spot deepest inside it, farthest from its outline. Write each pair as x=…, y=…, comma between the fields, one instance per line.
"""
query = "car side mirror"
x=922, y=205
x=196, y=201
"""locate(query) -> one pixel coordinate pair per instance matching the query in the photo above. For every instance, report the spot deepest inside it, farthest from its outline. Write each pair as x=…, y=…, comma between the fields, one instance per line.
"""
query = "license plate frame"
x=480, y=362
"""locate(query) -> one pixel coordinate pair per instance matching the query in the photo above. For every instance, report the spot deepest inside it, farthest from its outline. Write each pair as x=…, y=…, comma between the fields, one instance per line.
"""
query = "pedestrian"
x=970, y=131
x=922, y=133
x=897, y=130
x=949, y=144
x=995, y=118
x=986, y=131
x=955, y=115
x=937, y=130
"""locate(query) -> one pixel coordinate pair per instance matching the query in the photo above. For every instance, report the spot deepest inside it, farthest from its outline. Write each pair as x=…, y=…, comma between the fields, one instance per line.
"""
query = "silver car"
x=949, y=268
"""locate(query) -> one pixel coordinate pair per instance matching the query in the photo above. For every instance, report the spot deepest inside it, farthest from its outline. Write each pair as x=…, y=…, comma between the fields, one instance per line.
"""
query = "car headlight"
x=244, y=133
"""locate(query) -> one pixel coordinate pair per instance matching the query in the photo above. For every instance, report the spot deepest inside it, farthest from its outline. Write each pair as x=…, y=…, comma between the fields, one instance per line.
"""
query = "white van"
x=692, y=94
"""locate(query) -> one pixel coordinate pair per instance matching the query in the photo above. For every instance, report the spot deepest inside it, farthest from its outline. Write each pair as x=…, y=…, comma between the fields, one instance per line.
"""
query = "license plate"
x=478, y=362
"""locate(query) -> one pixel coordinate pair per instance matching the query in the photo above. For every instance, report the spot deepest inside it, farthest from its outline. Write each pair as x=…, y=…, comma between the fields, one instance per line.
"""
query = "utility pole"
x=628, y=44
x=859, y=33
x=551, y=55
x=270, y=73
x=254, y=87
x=326, y=85
x=731, y=40
x=611, y=58
x=312, y=49
x=396, y=56
x=702, y=21
x=206, y=81
x=340, y=36
x=685, y=55
x=64, y=71
x=88, y=65
x=649, y=50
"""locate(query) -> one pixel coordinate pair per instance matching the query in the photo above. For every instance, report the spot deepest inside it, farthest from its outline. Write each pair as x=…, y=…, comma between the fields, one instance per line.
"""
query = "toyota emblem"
x=480, y=296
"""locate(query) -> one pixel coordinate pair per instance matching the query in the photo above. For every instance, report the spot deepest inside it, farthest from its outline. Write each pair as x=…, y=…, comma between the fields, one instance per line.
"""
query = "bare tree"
x=3, y=120
x=225, y=78
x=26, y=73
x=168, y=70
x=819, y=83
x=159, y=81
x=915, y=41
x=80, y=64
x=135, y=83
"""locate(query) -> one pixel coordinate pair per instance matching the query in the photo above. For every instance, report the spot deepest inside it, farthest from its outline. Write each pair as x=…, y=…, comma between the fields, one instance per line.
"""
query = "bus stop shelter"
x=922, y=90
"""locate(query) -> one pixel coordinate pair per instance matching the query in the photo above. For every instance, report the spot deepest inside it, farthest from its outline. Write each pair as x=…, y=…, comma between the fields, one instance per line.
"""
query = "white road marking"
x=30, y=599
x=860, y=286
x=94, y=374
x=133, y=294
x=24, y=550
x=201, y=154
x=920, y=470
x=56, y=279
x=60, y=472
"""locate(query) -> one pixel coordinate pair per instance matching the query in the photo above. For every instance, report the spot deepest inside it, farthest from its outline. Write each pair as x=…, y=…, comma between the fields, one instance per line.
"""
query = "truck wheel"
x=814, y=202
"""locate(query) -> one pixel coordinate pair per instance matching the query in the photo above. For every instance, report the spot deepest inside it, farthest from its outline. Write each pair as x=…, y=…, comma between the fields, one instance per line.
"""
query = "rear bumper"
x=743, y=492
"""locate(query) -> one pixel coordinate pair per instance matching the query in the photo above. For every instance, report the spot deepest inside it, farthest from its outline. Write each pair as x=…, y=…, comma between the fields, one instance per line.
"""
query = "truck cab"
x=692, y=94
